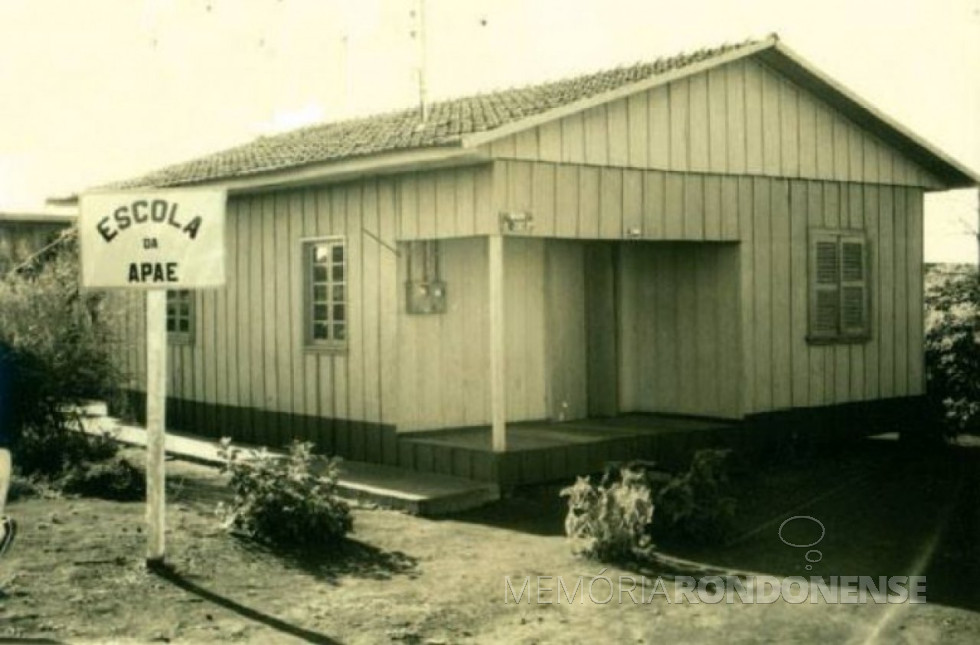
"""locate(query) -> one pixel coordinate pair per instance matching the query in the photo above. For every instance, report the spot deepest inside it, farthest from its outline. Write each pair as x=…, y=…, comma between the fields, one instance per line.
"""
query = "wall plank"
x=596, y=136
x=573, y=139
x=543, y=204
x=789, y=128
x=291, y=259
x=781, y=263
x=311, y=367
x=674, y=209
x=717, y=102
x=873, y=347
x=659, y=128
x=446, y=214
x=588, y=221
x=916, y=286
x=230, y=326
x=886, y=291
x=611, y=203
x=637, y=140
x=735, y=126
x=746, y=222
x=900, y=293
x=618, y=131
x=371, y=295
x=550, y=141
x=712, y=208
x=388, y=288
x=743, y=117
x=754, y=124
x=464, y=202
x=693, y=208
x=855, y=200
x=632, y=201
x=284, y=315
x=729, y=208
x=565, y=319
x=567, y=201
x=799, y=307
x=680, y=346
x=699, y=133
x=680, y=125
x=762, y=285
x=819, y=395
x=771, y=125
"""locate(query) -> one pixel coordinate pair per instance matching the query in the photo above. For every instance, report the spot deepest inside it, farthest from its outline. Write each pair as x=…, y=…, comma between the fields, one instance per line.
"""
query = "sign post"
x=153, y=241
x=156, y=423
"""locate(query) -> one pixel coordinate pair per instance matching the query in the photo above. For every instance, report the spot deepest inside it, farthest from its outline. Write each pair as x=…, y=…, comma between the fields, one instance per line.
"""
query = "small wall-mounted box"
x=425, y=297
x=516, y=222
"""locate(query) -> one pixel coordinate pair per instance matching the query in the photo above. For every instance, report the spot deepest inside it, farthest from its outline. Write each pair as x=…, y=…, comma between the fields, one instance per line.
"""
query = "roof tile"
x=448, y=121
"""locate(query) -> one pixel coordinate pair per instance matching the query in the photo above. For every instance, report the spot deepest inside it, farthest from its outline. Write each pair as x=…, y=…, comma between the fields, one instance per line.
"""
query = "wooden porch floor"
x=542, y=452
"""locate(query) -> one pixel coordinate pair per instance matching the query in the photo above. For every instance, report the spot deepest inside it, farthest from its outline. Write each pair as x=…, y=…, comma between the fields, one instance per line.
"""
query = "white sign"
x=156, y=239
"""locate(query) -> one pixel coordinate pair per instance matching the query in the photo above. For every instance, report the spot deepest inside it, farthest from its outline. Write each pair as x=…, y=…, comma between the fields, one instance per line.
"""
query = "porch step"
x=419, y=493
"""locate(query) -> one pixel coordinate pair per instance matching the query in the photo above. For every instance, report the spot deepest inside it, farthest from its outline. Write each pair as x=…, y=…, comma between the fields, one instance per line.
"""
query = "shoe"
x=9, y=532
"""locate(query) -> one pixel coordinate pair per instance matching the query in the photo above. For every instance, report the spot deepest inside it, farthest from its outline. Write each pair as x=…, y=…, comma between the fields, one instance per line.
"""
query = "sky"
x=102, y=90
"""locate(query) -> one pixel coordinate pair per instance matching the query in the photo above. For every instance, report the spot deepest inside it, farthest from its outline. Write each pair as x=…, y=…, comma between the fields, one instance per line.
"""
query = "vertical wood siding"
x=577, y=201
x=249, y=345
x=565, y=317
x=440, y=204
x=679, y=329
x=741, y=118
x=780, y=368
x=443, y=359
x=430, y=371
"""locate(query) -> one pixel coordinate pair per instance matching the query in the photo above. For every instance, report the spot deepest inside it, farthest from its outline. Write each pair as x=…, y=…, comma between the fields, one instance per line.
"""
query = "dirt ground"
x=76, y=573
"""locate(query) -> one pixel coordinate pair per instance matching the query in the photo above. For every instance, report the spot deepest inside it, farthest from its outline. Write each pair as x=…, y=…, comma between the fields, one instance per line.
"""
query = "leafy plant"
x=609, y=520
x=115, y=479
x=56, y=345
x=286, y=501
x=694, y=505
x=953, y=349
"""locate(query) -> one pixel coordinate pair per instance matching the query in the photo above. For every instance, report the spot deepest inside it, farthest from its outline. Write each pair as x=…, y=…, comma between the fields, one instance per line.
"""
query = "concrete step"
x=426, y=494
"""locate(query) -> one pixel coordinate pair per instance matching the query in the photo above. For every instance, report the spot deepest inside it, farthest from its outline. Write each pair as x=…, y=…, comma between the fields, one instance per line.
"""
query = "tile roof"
x=448, y=121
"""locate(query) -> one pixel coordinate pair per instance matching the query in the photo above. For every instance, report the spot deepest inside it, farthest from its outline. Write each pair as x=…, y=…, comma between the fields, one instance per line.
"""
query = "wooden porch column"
x=498, y=383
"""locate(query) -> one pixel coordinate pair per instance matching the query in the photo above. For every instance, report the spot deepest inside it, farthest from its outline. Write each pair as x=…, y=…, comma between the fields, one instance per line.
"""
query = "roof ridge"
x=402, y=128
x=575, y=76
x=704, y=52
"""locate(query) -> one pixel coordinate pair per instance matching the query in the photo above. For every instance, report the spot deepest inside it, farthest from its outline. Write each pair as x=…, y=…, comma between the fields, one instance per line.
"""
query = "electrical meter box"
x=425, y=297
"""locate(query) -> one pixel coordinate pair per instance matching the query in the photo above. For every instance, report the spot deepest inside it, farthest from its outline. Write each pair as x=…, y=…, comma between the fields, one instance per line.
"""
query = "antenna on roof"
x=418, y=33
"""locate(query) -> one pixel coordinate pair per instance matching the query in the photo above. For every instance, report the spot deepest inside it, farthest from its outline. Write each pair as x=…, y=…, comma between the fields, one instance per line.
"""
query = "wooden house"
x=24, y=234
x=723, y=235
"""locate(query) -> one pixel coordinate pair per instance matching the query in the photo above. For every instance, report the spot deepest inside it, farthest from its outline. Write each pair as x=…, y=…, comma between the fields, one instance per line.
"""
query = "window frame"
x=307, y=322
x=840, y=336
x=177, y=337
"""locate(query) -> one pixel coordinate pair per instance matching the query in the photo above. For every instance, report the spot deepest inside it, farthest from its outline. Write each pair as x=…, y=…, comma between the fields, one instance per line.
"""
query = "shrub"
x=693, y=505
x=56, y=342
x=609, y=520
x=288, y=501
x=115, y=479
x=953, y=349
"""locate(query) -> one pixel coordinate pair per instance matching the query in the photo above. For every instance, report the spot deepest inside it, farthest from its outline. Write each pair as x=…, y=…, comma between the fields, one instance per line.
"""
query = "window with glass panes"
x=180, y=315
x=326, y=295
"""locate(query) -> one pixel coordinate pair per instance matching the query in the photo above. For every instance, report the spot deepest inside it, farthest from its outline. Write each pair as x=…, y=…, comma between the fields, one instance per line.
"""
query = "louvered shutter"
x=825, y=297
x=853, y=286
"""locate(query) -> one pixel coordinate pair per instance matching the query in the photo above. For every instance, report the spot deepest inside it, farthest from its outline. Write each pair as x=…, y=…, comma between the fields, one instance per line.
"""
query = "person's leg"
x=5, y=474
x=8, y=527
